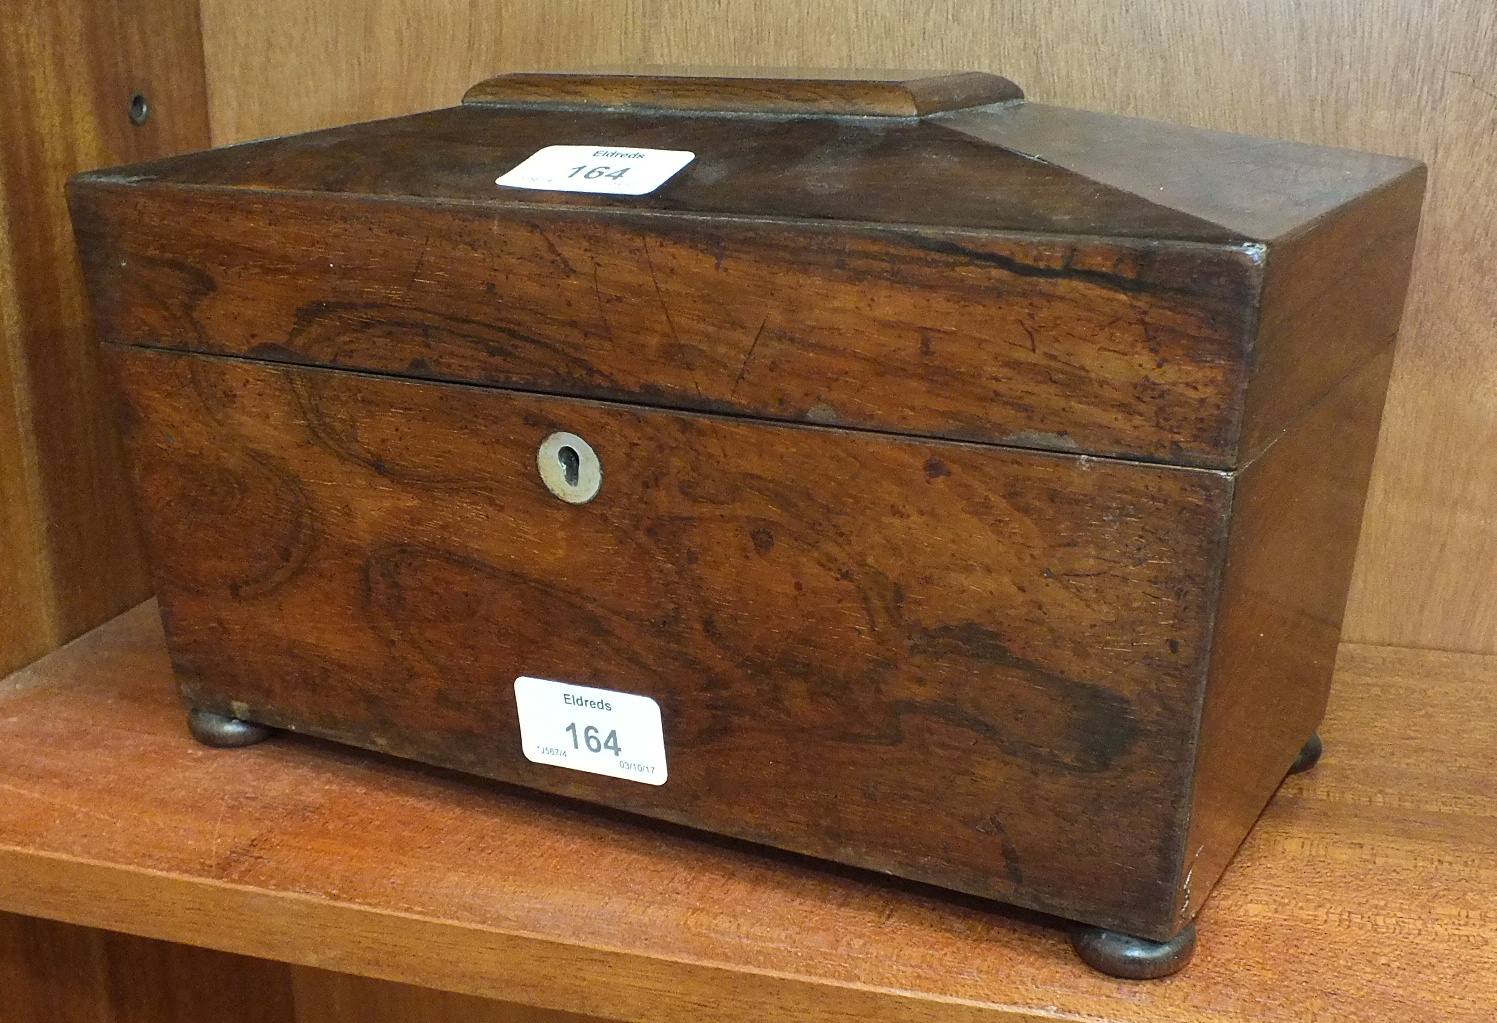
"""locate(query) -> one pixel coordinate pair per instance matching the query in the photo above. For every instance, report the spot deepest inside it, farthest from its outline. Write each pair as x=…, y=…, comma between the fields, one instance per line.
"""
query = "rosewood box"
x=881, y=468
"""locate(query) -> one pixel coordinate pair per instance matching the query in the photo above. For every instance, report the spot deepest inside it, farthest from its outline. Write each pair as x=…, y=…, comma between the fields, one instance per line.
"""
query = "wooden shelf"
x=1366, y=893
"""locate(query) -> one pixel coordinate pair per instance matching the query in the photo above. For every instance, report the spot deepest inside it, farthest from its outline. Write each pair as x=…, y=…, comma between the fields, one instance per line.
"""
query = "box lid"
x=914, y=252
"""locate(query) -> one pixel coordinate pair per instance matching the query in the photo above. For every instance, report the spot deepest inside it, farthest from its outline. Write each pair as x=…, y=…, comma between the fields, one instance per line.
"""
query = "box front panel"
x=958, y=663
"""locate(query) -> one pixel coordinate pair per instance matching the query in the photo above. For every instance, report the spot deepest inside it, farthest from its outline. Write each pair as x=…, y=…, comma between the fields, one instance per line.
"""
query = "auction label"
x=610, y=169
x=595, y=730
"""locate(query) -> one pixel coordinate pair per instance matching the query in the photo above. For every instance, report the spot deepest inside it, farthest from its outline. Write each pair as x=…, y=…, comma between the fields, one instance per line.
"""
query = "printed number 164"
x=590, y=737
x=600, y=171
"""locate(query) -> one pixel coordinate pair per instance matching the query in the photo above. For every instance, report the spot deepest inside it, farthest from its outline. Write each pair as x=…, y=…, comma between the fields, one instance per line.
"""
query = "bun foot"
x=1309, y=756
x=222, y=732
x=1131, y=958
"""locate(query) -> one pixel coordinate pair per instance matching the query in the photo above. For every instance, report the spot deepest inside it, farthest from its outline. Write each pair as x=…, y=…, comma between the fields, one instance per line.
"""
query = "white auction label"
x=609, y=169
x=595, y=730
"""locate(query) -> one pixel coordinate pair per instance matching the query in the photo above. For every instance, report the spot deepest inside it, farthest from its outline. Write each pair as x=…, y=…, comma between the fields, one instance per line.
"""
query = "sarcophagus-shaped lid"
x=922, y=253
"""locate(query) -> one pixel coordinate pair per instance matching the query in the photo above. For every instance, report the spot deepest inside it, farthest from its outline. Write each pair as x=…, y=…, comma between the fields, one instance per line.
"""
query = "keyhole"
x=569, y=467
x=571, y=464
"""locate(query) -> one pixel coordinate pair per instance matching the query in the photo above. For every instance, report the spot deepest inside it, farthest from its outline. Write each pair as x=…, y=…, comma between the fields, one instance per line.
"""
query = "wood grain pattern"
x=993, y=651
x=1392, y=78
x=851, y=94
x=1332, y=300
x=1365, y=893
x=323, y=996
x=57, y=973
x=866, y=171
x=1295, y=514
x=1259, y=188
x=71, y=554
x=1137, y=342
x=54, y=972
x=1342, y=226
x=1132, y=347
x=962, y=717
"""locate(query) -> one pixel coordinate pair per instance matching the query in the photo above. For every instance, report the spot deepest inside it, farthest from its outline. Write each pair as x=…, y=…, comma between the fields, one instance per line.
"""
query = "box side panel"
x=956, y=663
x=1296, y=515
x=1104, y=347
x=1332, y=299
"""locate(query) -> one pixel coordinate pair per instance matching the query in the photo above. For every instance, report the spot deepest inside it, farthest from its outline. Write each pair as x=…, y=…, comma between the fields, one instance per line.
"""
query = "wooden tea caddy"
x=972, y=484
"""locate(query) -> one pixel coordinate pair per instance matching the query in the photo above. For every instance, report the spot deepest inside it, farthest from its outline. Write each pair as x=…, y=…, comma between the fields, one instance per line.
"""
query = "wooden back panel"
x=71, y=553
